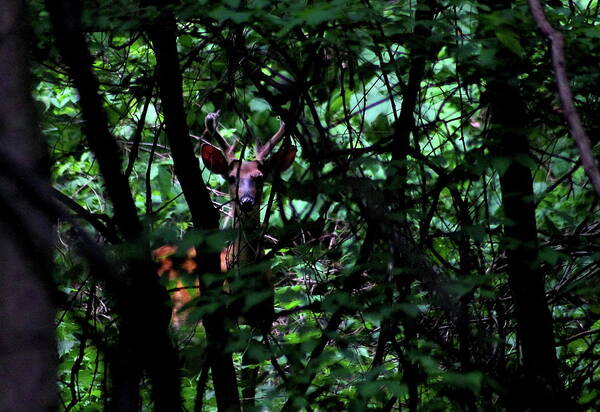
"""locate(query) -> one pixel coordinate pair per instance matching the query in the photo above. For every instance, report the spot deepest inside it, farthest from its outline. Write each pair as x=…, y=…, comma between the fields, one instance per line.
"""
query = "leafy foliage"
x=391, y=274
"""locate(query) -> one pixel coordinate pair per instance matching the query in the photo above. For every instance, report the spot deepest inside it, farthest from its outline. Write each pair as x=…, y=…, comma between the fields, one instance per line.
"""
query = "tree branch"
x=566, y=95
x=66, y=23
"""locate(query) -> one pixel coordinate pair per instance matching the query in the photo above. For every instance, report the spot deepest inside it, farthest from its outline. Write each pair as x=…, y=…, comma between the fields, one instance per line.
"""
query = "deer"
x=245, y=179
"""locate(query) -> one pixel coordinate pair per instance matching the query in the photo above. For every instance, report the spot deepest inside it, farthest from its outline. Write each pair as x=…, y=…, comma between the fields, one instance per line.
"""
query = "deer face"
x=245, y=184
x=246, y=178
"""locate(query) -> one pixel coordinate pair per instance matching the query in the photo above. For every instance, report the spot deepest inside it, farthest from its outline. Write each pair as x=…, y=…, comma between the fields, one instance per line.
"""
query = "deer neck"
x=246, y=248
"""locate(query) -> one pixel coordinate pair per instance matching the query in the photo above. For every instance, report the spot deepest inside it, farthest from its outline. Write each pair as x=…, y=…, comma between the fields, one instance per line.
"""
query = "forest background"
x=435, y=244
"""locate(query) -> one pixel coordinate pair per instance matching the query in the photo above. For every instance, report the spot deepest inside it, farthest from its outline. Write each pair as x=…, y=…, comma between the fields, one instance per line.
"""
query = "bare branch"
x=565, y=94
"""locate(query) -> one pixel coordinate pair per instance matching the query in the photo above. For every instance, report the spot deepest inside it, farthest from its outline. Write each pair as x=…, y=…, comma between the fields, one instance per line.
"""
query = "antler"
x=264, y=150
x=211, y=126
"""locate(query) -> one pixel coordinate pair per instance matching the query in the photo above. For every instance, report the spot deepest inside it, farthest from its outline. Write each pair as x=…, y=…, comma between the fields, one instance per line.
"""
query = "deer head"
x=246, y=178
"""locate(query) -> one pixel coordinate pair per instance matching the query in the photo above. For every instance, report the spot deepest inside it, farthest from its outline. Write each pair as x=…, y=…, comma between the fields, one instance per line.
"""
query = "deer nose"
x=246, y=203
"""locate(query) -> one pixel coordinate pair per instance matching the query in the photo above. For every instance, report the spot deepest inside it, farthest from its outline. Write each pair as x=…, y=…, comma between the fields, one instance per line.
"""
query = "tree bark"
x=421, y=49
x=542, y=389
x=534, y=321
x=27, y=341
x=143, y=343
x=164, y=39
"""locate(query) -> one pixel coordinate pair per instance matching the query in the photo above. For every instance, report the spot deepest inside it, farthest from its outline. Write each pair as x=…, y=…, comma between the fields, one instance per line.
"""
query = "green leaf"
x=470, y=380
x=511, y=40
x=222, y=14
x=164, y=182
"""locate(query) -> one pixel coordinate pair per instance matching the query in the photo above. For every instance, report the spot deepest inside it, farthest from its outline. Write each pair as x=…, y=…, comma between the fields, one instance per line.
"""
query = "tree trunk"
x=163, y=36
x=27, y=342
x=143, y=343
x=534, y=322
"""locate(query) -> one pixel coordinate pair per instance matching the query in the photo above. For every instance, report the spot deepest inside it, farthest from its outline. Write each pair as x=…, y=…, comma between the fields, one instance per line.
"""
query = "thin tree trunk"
x=163, y=36
x=541, y=389
x=421, y=49
x=534, y=322
x=144, y=344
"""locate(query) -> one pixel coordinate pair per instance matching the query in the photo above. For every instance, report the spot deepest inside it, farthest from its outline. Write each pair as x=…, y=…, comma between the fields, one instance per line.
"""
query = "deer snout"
x=247, y=203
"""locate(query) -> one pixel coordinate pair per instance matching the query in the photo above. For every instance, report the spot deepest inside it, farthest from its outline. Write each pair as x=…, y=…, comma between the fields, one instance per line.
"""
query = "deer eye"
x=258, y=179
x=231, y=180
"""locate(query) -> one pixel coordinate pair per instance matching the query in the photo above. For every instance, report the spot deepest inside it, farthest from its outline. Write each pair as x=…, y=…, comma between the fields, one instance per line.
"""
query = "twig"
x=137, y=137
x=106, y=230
x=558, y=181
x=565, y=94
x=581, y=335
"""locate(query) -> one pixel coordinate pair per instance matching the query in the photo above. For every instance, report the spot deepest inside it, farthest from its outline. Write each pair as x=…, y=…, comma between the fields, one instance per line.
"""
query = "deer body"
x=174, y=270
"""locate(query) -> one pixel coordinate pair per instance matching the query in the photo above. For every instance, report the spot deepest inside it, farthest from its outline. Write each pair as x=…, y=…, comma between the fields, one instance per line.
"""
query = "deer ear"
x=213, y=159
x=282, y=159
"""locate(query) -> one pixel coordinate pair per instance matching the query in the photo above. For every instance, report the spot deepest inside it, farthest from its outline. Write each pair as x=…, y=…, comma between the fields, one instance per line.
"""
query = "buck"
x=245, y=180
